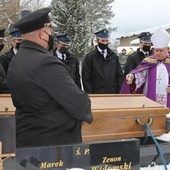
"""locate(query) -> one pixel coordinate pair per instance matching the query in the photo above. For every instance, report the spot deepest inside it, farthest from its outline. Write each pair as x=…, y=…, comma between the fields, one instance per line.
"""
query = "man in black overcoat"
x=101, y=70
x=4, y=88
x=61, y=51
x=50, y=108
x=15, y=40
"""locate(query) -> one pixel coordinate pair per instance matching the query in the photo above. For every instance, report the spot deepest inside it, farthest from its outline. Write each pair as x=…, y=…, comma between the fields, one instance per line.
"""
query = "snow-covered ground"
x=165, y=137
x=157, y=167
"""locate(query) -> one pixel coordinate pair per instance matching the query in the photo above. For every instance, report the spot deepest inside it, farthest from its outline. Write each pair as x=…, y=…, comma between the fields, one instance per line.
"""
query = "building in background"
x=131, y=39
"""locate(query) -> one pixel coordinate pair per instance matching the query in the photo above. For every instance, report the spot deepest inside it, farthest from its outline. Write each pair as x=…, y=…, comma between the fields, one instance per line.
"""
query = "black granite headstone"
x=117, y=154
x=7, y=134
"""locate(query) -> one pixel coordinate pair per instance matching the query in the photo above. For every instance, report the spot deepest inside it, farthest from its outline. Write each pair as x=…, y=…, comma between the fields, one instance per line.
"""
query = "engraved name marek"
x=57, y=164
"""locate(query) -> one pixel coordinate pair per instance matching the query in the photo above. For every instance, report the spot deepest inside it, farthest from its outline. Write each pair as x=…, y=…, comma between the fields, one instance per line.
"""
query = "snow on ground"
x=157, y=167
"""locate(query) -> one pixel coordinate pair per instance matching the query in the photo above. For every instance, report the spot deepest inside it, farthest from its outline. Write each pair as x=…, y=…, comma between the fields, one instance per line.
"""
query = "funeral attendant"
x=152, y=75
x=101, y=70
x=61, y=51
x=123, y=58
x=15, y=40
x=143, y=51
x=50, y=108
x=3, y=82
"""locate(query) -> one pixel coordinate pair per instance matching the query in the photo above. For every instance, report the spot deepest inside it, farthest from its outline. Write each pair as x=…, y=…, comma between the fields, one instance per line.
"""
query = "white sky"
x=135, y=15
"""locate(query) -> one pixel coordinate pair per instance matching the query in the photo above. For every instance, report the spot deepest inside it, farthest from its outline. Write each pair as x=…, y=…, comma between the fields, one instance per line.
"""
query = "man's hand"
x=84, y=122
x=129, y=78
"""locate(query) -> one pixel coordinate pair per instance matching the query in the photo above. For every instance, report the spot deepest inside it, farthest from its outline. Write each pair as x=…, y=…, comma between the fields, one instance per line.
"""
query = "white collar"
x=144, y=52
x=59, y=55
x=14, y=50
x=105, y=51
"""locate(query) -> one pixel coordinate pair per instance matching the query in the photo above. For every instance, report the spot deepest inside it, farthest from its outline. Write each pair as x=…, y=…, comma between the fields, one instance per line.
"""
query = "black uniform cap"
x=33, y=21
x=102, y=34
x=64, y=39
x=2, y=32
x=145, y=37
x=24, y=13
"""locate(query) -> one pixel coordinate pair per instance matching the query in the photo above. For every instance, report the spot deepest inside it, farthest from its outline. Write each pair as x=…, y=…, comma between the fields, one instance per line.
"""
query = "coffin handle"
x=150, y=121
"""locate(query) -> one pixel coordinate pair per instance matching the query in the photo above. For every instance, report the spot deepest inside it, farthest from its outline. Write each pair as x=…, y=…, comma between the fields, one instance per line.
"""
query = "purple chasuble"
x=149, y=63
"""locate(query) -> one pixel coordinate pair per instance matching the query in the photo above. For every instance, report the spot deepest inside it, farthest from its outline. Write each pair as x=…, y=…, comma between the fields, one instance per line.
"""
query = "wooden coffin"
x=123, y=116
x=115, y=116
x=6, y=106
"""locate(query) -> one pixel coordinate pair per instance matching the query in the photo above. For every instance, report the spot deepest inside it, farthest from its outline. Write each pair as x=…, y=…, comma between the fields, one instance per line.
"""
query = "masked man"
x=101, y=70
x=143, y=51
x=15, y=40
x=50, y=108
x=63, y=43
x=3, y=83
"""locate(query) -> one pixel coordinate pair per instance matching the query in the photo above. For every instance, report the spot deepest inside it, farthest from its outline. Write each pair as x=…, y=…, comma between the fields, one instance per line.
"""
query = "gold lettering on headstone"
x=78, y=152
x=45, y=165
x=125, y=166
x=86, y=152
x=113, y=159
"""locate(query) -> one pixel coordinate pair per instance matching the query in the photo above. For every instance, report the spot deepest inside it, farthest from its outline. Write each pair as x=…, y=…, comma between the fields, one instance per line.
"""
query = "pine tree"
x=80, y=19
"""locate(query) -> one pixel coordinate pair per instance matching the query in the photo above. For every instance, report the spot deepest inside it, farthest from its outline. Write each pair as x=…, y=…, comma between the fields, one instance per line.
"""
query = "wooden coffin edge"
x=116, y=136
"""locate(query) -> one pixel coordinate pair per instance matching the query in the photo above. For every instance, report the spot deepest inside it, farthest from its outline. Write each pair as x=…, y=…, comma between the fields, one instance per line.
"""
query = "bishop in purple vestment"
x=147, y=78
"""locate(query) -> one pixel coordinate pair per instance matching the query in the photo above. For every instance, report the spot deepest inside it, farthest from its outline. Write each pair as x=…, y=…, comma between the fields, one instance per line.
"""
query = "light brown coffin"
x=115, y=117
x=6, y=106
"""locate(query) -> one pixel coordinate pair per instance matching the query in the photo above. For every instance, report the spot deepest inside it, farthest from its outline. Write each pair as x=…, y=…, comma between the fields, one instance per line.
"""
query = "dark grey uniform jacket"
x=6, y=58
x=50, y=107
x=134, y=60
x=73, y=64
x=4, y=88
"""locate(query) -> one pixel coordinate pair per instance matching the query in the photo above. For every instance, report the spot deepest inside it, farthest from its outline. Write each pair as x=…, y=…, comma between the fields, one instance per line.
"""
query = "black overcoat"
x=6, y=58
x=4, y=88
x=73, y=64
x=50, y=107
x=134, y=60
x=101, y=75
